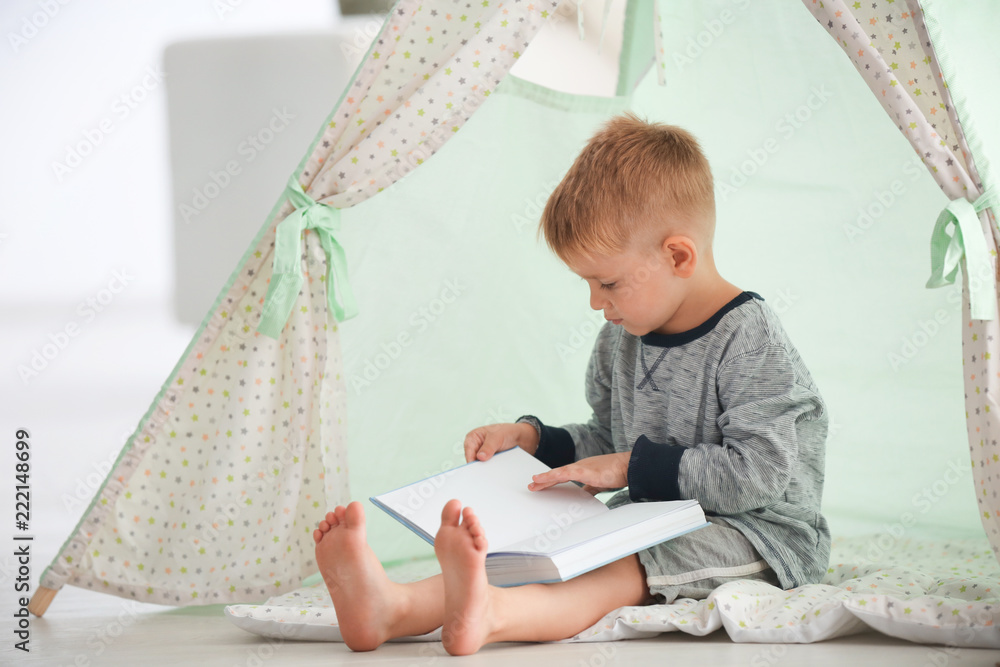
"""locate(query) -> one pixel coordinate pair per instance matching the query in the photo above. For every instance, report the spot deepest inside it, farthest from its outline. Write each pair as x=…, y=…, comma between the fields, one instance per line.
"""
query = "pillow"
x=926, y=591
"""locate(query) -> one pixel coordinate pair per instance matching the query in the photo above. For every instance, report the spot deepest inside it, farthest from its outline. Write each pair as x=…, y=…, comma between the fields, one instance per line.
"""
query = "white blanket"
x=937, y=592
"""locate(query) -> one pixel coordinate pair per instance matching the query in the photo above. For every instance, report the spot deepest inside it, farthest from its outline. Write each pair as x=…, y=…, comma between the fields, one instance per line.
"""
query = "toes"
x=354, y=515
x=317, y=535
x=340, y=512
x=451, y=512
x=331, y=518
x=479, y=542
x=324, y=526
x=473, y=525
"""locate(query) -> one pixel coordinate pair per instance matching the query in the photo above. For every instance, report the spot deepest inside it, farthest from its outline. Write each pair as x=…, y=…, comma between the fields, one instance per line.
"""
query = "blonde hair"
x=634, y=184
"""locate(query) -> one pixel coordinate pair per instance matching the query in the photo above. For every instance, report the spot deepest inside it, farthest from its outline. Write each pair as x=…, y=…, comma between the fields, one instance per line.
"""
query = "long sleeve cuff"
x=555, y=445
x=555, y=448
x=653, y=471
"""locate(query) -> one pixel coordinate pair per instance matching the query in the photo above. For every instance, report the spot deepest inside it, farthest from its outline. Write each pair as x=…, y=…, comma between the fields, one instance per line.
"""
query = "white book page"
x=497, y=491
x=622, y=517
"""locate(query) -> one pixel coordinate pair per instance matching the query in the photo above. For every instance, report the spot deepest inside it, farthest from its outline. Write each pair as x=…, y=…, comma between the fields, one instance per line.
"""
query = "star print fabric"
x=216, y=494
x=897, y=47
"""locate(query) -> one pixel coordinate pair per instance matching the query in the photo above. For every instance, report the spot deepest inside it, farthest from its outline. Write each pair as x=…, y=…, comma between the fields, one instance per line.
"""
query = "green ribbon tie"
x=286, y=279
x=967, y=241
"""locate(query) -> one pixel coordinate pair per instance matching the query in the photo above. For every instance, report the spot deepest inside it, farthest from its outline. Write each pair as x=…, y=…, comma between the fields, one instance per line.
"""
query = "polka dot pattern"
x=216, y=494
x=889, y=43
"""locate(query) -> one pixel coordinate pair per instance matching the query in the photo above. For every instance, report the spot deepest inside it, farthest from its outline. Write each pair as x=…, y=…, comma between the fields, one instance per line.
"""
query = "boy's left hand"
x=598, y=473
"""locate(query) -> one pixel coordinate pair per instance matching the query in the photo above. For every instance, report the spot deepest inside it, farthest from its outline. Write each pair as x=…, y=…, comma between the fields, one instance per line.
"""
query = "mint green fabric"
x=966, y=242
x=971, y=58
x=639, y=35
x=469, y=319
x=286, y=281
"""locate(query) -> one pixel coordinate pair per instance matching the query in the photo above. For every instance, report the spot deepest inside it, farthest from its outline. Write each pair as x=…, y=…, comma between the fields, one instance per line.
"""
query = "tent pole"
x=40, y=600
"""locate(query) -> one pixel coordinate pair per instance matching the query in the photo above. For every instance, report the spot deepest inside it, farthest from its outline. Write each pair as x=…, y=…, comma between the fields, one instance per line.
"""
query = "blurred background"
x=120, y=224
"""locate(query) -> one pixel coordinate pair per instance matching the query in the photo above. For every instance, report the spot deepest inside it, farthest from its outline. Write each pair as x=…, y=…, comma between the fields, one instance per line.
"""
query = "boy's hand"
x=598, y=473
x=483, y=442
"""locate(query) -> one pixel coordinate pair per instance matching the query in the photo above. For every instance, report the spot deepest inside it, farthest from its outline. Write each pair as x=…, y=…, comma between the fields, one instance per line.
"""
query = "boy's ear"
x=681, y=255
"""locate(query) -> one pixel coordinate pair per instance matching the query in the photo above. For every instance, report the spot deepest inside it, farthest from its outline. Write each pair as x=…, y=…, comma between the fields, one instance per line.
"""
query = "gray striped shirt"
x=725, y=413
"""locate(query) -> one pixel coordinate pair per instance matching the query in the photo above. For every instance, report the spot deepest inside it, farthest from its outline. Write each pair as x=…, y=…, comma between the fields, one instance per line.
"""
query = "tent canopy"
x=464, y=318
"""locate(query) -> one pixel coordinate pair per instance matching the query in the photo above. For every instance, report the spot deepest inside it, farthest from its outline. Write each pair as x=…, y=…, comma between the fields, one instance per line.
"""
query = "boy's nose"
x=597, y=301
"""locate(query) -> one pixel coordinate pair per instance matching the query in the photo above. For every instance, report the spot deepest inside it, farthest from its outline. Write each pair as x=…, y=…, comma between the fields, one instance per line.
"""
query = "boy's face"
x=641, y=291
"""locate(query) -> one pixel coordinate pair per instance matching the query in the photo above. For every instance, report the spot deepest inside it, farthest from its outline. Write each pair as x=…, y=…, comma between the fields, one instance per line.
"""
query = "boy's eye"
x=608, y=286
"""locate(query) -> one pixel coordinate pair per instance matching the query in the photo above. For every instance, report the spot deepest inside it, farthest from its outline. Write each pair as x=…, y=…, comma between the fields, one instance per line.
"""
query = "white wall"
x=91, y=63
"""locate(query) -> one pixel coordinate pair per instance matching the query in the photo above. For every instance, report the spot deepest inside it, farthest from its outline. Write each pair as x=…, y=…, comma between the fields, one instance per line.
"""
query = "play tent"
x=424, y=306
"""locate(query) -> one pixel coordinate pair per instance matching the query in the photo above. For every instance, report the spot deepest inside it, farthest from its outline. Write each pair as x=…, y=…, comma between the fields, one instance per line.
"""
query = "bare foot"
x=461, y=550
x=366, y=601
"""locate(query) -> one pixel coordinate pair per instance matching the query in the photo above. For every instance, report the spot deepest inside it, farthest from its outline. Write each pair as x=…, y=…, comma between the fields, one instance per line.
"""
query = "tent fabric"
x=215, y=495
x=169, y=501
x=892, y=48
x=190, y=512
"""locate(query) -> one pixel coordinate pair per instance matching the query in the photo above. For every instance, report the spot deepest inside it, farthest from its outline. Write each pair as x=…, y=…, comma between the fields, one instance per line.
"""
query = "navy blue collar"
x=682, y=337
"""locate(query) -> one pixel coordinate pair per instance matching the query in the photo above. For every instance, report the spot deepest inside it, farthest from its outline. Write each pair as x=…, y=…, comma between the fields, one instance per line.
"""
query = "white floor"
x=86, y=628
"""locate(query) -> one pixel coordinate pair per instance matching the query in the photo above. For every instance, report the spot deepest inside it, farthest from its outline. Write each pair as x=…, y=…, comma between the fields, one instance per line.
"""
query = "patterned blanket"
x=926, y=591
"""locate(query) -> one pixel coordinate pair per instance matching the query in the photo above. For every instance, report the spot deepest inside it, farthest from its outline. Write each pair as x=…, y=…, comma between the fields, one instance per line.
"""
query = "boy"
x=697, y=392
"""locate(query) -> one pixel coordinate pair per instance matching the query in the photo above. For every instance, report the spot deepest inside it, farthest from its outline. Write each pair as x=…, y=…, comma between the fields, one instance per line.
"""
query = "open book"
x=538, y=536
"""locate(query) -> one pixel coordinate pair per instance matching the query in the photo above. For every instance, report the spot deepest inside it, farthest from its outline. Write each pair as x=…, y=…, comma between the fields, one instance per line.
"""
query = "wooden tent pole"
x=40, y=600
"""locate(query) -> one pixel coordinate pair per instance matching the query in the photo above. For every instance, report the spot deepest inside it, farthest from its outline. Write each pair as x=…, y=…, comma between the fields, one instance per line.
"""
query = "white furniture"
x=242, y=113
